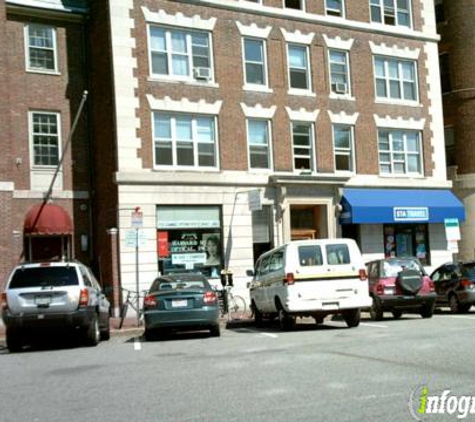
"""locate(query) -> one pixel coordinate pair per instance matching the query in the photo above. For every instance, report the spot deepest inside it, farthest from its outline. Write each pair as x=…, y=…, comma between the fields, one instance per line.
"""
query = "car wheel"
x=151, y=335
x=215, y=331
x=319, y=320
x=286, y=322
x=396, y=313
x=14, y=341
x=93, y=333
x=454, y=304
x=352, y=317
x=258, y=320
x=375, y=312
x=106, y=332
x=427, y=311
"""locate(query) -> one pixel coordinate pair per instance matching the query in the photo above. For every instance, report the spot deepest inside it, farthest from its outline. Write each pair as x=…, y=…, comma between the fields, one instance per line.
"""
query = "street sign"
x=254, y=200
x=452, y=229
x=131, y=237
x=137, y=218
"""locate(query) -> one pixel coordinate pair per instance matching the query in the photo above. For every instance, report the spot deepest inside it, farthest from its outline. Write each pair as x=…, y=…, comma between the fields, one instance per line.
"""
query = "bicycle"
x=234, y=306
x=132, y=299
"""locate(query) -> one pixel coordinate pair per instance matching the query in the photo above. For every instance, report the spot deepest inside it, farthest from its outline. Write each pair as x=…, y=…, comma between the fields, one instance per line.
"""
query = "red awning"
x=47, y=219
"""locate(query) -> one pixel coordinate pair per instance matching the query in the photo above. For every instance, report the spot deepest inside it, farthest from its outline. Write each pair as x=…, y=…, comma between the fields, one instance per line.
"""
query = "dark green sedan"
x=181, y=302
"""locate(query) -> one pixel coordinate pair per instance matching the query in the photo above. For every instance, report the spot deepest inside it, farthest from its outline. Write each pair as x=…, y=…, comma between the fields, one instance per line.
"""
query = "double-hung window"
x=258, y=138
x=184, y=140
x=335, y=7
x=395, y=78
x=343, y=147
x=180, y=54
x=302, y=140
x=45, y=138
x=400, y=152
x=255, y=61
x=299, y=71
x=41, y=48
x=391, y=12
x=294, y=4
x=339, y=72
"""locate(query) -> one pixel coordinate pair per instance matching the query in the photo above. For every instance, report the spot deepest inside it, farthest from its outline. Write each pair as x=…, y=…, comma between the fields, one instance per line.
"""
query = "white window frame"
x=269, y=145
x=302, y=6
x=312, y=155
x=32, y=135
x=347, y=72
x=329, y=11
x=254, y=86
x=385, y=13
x=194, y=141
x=54, y=48
x=400, y=80
x=300, y=91
x=391, y=152
x=189, y=54
x=349, y=152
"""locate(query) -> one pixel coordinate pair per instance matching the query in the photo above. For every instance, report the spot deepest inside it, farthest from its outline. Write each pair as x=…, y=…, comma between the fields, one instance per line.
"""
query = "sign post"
x=137, y=223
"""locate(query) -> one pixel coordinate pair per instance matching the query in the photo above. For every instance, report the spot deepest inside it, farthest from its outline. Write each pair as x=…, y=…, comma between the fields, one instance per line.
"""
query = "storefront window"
x=189, y=240
x=407, y=240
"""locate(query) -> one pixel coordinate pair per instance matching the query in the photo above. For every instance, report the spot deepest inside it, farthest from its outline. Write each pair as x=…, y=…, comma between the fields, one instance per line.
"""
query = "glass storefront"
x=189, y=239
x=407, y=240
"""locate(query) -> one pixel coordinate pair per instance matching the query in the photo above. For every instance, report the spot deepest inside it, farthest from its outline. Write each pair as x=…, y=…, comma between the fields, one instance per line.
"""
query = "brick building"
x=252, y=123
x=457, y=67
x=42, y=79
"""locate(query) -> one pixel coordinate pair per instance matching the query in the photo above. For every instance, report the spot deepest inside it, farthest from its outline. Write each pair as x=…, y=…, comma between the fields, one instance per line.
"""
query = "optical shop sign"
x=452, y=233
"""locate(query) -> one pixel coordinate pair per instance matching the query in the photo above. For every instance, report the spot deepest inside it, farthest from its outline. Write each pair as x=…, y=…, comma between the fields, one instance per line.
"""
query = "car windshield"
x=468, y=271
x=44, y=276
x=392, y=267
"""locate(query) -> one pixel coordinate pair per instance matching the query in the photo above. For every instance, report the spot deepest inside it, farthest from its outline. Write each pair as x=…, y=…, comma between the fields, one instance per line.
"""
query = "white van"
x=310, y=278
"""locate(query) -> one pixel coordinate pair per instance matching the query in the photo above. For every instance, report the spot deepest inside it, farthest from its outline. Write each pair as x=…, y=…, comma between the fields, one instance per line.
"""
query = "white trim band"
x=253, y=30
x=195, y=22
x=399, y=122
x=394, y=51
x=258, y=111
x=302, y=115
x=184, y=105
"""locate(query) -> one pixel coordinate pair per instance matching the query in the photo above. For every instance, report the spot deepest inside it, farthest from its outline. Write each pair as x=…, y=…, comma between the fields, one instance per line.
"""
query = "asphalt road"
x=315, y=373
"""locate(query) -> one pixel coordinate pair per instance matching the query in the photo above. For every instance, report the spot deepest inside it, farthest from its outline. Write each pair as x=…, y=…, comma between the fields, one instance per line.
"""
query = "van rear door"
x=327, y=272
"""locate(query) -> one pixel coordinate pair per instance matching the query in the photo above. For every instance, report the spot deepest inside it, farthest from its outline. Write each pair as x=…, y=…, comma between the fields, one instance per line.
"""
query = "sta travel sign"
x=411, y=213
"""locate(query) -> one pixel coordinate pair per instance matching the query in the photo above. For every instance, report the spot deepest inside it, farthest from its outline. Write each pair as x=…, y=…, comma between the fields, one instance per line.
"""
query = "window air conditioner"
x=202, y=73
x=341, y=88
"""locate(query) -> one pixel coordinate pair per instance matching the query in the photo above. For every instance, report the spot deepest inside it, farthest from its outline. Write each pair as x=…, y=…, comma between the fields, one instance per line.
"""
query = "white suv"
x=54, y=296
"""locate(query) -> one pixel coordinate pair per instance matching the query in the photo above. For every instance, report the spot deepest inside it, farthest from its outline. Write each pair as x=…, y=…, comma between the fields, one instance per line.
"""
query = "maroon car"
x=400, y=285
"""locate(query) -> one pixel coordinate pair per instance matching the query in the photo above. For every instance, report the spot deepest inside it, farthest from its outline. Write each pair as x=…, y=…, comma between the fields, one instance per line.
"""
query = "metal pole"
x=137, y=273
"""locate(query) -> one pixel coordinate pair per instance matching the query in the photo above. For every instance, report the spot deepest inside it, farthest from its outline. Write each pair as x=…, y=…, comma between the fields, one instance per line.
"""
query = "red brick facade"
x=23, y=91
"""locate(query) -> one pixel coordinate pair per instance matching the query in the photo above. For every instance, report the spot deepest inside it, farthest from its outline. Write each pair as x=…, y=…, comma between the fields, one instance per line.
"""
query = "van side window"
x=264, y=266
x=338, y=254
x=310, y=255
x=276, y=261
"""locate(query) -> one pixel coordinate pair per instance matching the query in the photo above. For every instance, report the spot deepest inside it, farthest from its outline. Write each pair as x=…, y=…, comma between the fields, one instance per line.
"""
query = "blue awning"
x=375, y=206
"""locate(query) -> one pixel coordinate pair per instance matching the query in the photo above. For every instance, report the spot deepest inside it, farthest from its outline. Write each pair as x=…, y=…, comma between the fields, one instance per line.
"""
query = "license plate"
x=42, y=300
x=330, y=305
x=179, y=303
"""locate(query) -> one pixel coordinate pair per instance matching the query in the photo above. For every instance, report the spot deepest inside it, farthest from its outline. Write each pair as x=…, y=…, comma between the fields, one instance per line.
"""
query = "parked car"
x=310, y=278
x=399, y=285
x=455, y=285
x=54, y=296
x=181, y=302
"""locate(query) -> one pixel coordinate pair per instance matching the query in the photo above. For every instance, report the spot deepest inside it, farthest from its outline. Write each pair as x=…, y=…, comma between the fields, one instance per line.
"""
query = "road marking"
x=137, y=344
x=248, y=330
x=373, y=325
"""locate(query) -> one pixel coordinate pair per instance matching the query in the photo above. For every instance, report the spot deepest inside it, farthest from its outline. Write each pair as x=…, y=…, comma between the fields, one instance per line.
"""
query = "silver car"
x=54, y=296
